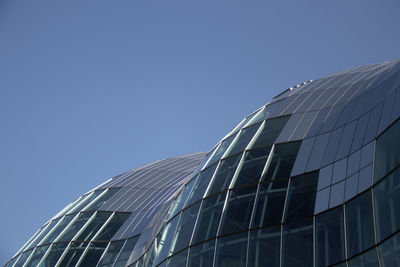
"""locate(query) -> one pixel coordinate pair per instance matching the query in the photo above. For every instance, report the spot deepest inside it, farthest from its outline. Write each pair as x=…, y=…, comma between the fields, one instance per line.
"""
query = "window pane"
x=73, y=254
x=264, y=247
x=224, y=174
x=293, y=253
x=387, y=205
x=165, y=240
x=330, y=237
x=74, y=227
x=184, y=229
x=126, y=252
x=283, y=158
x=389, y=251
x=367, y=259
x=111, y=253
x=231, y=250
x=243, y=140
x=95, y=205
x=202, y=255
x=85, y=201
x=23, y=258
x=387, y=154
x=180, y=200
x=252, y=167
x=270, y=203
x=112, y=226
x=95, y=224
x=54, y=254
x=58, y=229
x=209, y=217
x=238, y=210
x=93, y=253
x=359, y=224
x=178, y=260
x=37, y=256
x=200, y=185
x=270, y=131
x=301, y=196
x=221, y=149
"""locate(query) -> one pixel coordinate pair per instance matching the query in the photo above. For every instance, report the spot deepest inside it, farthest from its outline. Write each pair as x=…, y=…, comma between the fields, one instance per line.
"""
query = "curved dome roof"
x=316, y=166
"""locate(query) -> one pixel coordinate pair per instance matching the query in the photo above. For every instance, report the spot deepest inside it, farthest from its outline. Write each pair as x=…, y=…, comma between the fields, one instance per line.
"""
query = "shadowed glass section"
x=389, y=251
x=202, y=255
x=387, y=205
x=243, y=139
x=209, y=217
x=93, y=253
x=359, y=224
x=95, y=205
x=201, y=185
x=238, y=210
x=95, y=224
x=180, y=200
x=387, y=154
x=224, y=174
x=73, y=253
x=270, y=131
x=107, y=233
x=54, y=254
x=58, y=229
x=297, y=247
x=184, y=229
x=329, y=237
x=367, y=259
x=74, y=227
x=283, y=158
x=231, y=250
x=178, y=260
x=165, y=240
x=126, y=252
x=37, y=256
x=251, y=169
x=111, y=254
x=264, y=247
x=270, y=203
x=301, y=196
x=221, y=149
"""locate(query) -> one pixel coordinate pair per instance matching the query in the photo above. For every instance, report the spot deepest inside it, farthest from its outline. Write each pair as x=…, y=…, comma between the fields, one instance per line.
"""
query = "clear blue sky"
x=90, y=89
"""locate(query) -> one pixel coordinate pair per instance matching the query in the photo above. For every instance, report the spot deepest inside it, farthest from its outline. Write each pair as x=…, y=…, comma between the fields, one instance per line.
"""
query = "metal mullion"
x=45, y=255
x=66, y=227
x=63, y=254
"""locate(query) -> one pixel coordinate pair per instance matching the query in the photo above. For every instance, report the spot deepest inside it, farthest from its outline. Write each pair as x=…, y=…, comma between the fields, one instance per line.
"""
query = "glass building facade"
x=310, y=179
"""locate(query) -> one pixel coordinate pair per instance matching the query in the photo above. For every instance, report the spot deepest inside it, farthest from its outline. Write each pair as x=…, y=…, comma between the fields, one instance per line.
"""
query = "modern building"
x=310, y=179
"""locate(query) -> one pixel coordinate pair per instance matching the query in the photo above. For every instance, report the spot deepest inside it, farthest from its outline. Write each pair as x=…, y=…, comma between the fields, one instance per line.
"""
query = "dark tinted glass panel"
x=387, y=205
x=54, y=254
x=93, y=253
x=111, y=253
x=221, y=149
x=387, y=154
x=58, y=229
x=231, y=250
x=322, y=200
x=270, y=203
x=165, y=240
x=244, y=139
x=389, y=251
x=95, y=224
x=329, y=237
x=325, y=177
x=37, y=256
x=317, y=152
x=112, y=226
x=301, y=196
x=283, y=158
x=202, y=255
x=103, y=199
x=201, y=185
x=337, y=194
x=74, y=227
x=184, y=229
x=126, y=252
x=224, y=174
x=252, y=167
x=271, y=130
x=73, y=254
x=298, y=244
x=180, y=200
x=339, y=170
x=23, y=257
x=238, y=210
x=209, y=217
x=359, y=224
x=367, y=259
x=178, y=260
x=264, y=247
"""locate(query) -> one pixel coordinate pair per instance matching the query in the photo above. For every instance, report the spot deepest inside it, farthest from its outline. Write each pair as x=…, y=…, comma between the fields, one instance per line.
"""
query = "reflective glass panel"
x=43, y=233
x=94, y=225
x=389, y=251
x=23, y=258
x=126, y=252
x=180, y=200
x=58, y=229
x=202, y=255
x=37, y=256
x=93, y=253
x=231, y=250
x=85, y=201
x=73, y=254
x=221, y=149
x=270, y=131
x=367, y=259
x=200, y=185
x=264, y=247
x=165, y=240
x=178, y=260
x=102, y=199
x=224, y=174
x=243, y=139
x=74, y=227
x=111, y=253
x=112, y=226
x=54, y=254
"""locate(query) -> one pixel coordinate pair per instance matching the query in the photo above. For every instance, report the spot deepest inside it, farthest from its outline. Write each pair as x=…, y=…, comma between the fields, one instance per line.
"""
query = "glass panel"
x=283, y=158
x=243, y=140
x=231, y=250
x=209, y=217
x=23, y=258
x=359, y=224
x=201, y=185
x=264, y=247
x=205, y=160
x=73, y=254
x=93, y=254
x=387, y=205
x=329, y=237
x=224, y=174
x=317, y=153
x=87, y=200
x=252, y=166
x=347, y=139
x=58, y=229
x=44, y=233
x=37, y=256
x=270, y=203
x=353, y=164
x=337, y=194
x=54, y=254
x=221, y=149
x=202, y=255
x=165, y=240
x=178, y=260
x=270, y=131
x=112, y=226
x=367, y=155
x=365, y=179
x=339, y=170
x=302, y=156
x=238, y=210
x=93, y=226
x=294, y=234
x=387, y=154
x=74, y=227
x=322, y=201
x=184, y=229
x=95, y=205
x=389, y=251
x=301, y=196
x=325, y=177
x=333, y=144
x=111, y=253
x=126, y=252
x=367, y=259
x=180, y=200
